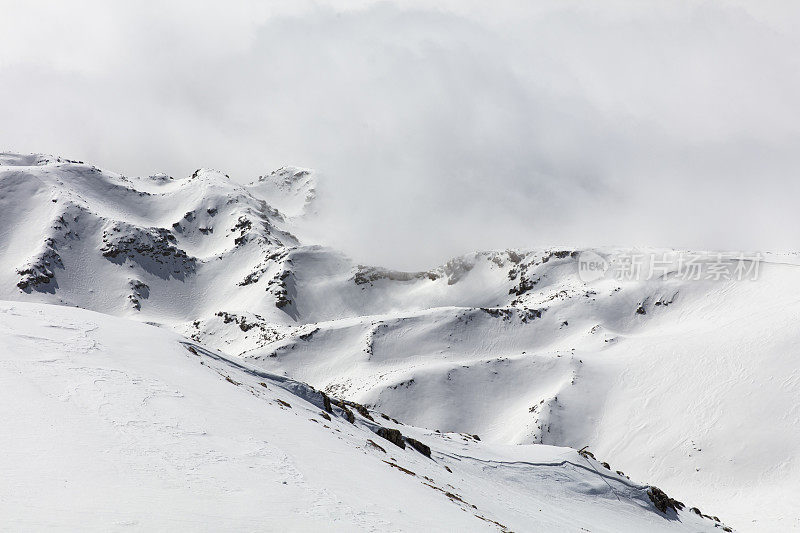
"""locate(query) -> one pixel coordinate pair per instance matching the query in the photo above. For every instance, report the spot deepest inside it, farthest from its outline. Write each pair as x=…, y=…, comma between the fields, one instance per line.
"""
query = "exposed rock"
x=400, y=468
x=373, y=444
x=139, y=291
x=365, y=274
x=38, y=273
x=392, y=435
x=154, y=249
x=326, y=402
x=348, y=414
x=360, y=408
x=662, y=501
x=424, y=449
x=525, y=284
x=586, y=453
x=457, y=268
x=508, y=313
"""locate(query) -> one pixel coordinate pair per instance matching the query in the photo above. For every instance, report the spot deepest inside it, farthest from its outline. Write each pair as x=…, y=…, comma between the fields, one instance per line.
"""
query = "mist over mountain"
x=655, y=370
x=399, y=266
x=441, y=129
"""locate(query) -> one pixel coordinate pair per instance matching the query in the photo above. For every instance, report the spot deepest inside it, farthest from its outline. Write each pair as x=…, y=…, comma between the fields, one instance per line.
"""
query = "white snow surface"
x=111, y=424
x=697, y=395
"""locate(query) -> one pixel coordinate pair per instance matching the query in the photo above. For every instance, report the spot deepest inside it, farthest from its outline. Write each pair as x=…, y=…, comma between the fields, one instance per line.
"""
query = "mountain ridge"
x=512, y=345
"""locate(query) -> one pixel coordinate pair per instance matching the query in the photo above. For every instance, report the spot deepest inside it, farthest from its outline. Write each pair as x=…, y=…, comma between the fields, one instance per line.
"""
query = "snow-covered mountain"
x=112, y=424
x=689, y=385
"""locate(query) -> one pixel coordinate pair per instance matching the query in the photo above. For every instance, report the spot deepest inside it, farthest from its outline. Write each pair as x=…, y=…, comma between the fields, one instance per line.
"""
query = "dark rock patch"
x=326, y=403
x=392, y=435
x=424, y=449
x=400, y=468
x=360, y=408
x=373, y=444
x=348, y=414
x=662, y=501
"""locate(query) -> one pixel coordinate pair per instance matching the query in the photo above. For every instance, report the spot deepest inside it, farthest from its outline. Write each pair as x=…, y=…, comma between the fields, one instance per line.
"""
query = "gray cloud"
x=438, y=130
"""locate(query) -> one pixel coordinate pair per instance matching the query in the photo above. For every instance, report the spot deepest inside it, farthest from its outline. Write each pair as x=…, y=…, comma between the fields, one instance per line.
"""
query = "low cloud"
x=438, y=131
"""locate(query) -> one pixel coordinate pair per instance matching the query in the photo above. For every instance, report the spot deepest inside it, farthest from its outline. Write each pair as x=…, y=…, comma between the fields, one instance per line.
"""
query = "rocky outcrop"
x=139, y=291
x=424, y=449
x=662, y=501
x=365, y=274
x=37, y=274
x=360, y=408
x=154, y=249
x=392, y=435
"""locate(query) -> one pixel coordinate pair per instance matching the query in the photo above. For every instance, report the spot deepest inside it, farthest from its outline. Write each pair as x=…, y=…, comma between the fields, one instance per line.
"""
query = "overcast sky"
x=437, y=128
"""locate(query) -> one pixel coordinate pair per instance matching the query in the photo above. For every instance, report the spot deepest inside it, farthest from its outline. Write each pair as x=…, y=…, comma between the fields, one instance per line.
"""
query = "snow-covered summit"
x=663, y=378
x=291, y=190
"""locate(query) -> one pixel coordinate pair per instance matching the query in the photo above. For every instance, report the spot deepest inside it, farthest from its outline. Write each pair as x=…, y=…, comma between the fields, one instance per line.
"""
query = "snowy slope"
x=690, y=385
x=124, y=245
x=699, y=392
x=112, y=424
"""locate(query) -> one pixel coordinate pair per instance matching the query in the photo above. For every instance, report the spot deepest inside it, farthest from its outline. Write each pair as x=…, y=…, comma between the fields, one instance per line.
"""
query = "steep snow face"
x=691, y=385
x=146, y=429
x=165, y=250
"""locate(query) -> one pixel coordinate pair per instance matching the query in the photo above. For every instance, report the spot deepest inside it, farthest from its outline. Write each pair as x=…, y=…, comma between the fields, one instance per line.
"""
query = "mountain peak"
x=515, y=346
